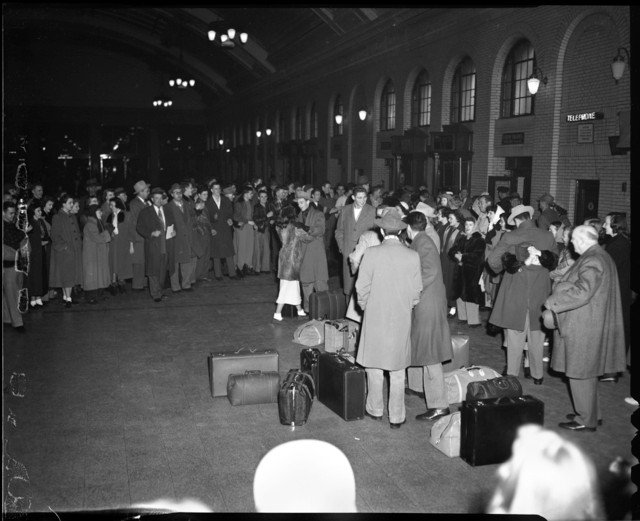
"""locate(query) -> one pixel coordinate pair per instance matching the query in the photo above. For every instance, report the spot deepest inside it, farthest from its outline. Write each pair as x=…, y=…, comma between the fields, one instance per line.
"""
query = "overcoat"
x=589, y=340
x=314, y=257
x=120, y=257
x=347, y=233
x=222, y=242
x=291, y=252
x=472, y=249
x=95, y=256
x=619, y=248
x=66, y=251
x=183, y=227
x=430, y=334
x=526, y=290
x=135, y=206
x=148, y=221
x=388, y=286
x=449, y=265
x=35, y=277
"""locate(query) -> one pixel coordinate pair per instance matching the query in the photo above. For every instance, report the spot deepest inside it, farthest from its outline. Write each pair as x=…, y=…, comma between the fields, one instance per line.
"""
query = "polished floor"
x=107, y=406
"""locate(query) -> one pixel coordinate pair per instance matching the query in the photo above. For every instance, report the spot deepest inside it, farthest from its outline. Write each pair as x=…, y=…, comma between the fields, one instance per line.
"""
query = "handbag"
x=445, y=435
x=456, y=381
x=253, y=387
x=295, y=398
x=503, y=386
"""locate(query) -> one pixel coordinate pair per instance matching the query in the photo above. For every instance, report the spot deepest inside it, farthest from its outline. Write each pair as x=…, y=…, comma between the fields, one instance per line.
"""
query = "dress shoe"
x=433, y=414
x=377, y=418
x=67, y=304
x=575, y=426
x=187, y=289
x=610, y=377
x=19, y=329
x=411, y=392
x=475, y=326
x=538, y=381
x=397, y=425
x=527, y=372
x=573, y=416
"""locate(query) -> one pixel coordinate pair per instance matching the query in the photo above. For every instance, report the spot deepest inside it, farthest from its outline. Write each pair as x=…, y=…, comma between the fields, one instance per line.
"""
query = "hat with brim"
x=158, y=190
x=547, y=198
x=303, y=194
x=549, y=319
x=228, y=190
x=391, y=222
x=140, y=186
x=427, y=210
x=517, y=210
x=174, y=187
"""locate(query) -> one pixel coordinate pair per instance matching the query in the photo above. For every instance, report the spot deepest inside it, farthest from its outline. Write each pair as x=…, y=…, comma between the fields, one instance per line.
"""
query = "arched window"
x=463, y=92
x=516, y=99
x=298, y=124
x=388, y=107
x=338, y=109
x=421, y=101
x=313, y=122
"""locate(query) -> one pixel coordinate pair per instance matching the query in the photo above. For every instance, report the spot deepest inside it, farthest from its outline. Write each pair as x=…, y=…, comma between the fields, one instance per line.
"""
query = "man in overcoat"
x=521, y=294
x=220, y=210
x=152, y=224
x=136, y=241
x=354, y=219
x=589, y=340
x=185, y=260
x=314, y=273
x=388, y=287
x=430, y=334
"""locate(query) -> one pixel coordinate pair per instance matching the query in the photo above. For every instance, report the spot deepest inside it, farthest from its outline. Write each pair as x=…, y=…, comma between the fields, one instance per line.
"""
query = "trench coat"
x=388, y=286
x=314, y=257
x=449, y=266
x=135, y=207
x=619, y=248
x=472, y=249
x=589, y=341
x=95, y=256
x=66, y=251
x=183, y=225
x=347, y=233
x=430, y=334
x=222, y=242
x=148, y=221
x=120, y=257
x=526, y=290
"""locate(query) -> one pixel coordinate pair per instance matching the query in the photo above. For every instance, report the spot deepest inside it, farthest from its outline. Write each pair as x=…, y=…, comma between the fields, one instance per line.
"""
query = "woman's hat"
x=517, y=210
x=391, y=221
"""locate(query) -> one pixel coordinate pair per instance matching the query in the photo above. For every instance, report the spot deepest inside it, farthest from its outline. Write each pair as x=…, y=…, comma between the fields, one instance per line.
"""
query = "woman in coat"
x=244, y=232
x=66, y=250
x=120, y=248
x=202, y=235
x=38, y=238
x=469, y=254
x=95, y=255
x=449, y=264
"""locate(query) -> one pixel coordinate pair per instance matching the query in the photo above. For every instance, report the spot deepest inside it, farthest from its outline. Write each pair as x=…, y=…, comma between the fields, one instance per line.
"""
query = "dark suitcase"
x=223, y=363
x=488, y=427
x=295, y=398
x=460, y=345
x=494, y=388
x=289, y=311
x=309, y=364
x=253, y=387
x=341, y=386
x=327, y=305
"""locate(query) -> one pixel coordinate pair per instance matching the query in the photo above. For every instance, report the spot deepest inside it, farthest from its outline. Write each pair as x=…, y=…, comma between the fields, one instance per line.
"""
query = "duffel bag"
x=253, y=387
x=310, y=333
x=456, y=381
x=295, y=398
x=445, y=435
x=507, y=386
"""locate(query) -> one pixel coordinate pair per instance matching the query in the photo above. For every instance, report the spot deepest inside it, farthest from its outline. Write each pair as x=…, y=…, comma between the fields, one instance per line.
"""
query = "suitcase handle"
x=253, y=372
x=243, y=348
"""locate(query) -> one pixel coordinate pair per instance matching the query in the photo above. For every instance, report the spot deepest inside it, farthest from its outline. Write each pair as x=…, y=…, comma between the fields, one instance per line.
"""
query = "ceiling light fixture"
x=268, y=132
x=227, y=36
x=180, y=82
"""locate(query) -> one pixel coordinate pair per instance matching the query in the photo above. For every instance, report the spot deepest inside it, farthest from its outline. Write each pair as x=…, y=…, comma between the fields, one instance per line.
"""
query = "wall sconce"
x=618, y=64
x=338, y=118
x=221, y=142
x=258, y=133
x=533, y=83
x=268, y=132
x=362, y=114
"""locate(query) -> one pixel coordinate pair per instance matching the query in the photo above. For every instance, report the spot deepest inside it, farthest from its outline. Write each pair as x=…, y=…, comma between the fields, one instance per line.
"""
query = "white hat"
x=427, y=210
x=325, y=482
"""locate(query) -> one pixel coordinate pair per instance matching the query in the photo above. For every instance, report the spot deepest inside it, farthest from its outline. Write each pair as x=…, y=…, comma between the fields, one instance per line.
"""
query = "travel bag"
x=456, y=381
x=460, y=345
x=253, y=387
x=445, y=435
x=341, y=385
x=295, y=398
x=309, y=363
x=223, y=363
x=494, y=388
x=489, y=427
x=327, y=305
x=336, y=335
x=310, y=333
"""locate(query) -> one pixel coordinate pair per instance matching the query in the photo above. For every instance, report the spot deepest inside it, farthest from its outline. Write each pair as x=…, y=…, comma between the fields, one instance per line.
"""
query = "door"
x=587, y=195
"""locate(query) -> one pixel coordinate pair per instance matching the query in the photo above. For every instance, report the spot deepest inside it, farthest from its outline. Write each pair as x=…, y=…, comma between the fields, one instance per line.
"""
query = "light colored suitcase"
x=223, y=363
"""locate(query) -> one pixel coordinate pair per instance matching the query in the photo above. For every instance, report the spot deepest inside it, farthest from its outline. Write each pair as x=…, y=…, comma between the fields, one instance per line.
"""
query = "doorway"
x=587, y=195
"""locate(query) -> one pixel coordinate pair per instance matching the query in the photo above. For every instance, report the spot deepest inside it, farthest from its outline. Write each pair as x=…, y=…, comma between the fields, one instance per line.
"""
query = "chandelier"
x=161, y=101
x=179, y=81
x=226, y=36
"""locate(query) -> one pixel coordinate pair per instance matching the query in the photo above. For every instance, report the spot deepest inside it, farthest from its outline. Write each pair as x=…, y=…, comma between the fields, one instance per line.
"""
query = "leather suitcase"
x=223, y=363
x=488, y=427
x=253, y=387
x=460, y=344
x=295, y=398
x=341, y=386
x=309, y=364
x=327, y=305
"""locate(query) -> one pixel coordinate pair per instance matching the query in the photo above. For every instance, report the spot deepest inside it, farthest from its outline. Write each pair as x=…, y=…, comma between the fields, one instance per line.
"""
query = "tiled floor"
x=108, y=406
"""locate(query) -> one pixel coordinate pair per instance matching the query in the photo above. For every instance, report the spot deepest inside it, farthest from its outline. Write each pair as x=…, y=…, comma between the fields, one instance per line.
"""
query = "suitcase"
x=341, y=385
x=445, y=435
x=460, y=344
x=336, y=335
x=253, y=387
x=489, y=427
x=223, y=363
x=295, y=398
x=327, y=305
x=309, y=364
x=494, y=388
x=289, y=311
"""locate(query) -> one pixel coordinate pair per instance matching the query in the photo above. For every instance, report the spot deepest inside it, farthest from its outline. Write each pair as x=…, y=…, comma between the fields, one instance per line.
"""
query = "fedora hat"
x=549, y=319
x=427, y=210
x=391, y=221
x=140, y=185
x=174, y=187
x=517, y=210
x=547, y=198
x=303, y=194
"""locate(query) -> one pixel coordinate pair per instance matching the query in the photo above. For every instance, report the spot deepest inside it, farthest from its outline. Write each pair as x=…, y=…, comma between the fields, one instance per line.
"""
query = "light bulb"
x=232, y=33
x=212, y=35
x=244, y=37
